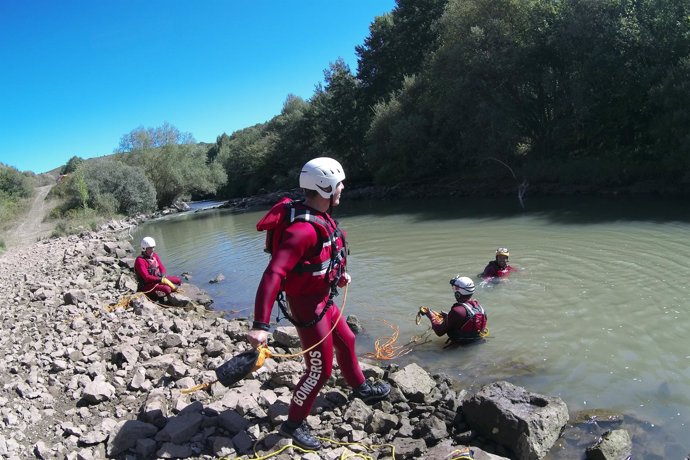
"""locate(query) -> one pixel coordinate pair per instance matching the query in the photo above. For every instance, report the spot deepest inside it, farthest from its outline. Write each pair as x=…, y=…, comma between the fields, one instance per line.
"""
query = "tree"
x=13, y=183
x=115, y=187
x=141, y=138
x=340, y=118
x=72, y=165
x=399, y=44
x=178, y=171
x=80, y=188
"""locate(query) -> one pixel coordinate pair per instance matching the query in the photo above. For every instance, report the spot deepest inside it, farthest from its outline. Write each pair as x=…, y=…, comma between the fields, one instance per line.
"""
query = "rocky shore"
x=91, y=370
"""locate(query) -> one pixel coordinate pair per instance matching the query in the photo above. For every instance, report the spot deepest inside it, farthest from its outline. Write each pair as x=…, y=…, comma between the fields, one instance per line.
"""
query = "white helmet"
x=462, y=285
x=502, y=252
x=148, y=242
x=322, y=174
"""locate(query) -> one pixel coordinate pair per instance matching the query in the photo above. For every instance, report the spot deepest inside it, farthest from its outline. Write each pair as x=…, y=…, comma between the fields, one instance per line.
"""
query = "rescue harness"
x=329, y=264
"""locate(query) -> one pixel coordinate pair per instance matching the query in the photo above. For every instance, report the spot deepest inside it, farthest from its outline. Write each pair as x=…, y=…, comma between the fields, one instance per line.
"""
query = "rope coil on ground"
x=125, y=301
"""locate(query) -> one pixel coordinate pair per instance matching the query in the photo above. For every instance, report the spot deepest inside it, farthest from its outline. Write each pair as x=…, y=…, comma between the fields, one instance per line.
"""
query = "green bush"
x=178, y=171
x=72, y=165
x=105, y=188
x=105, y=203
x=15, y=184
x=77, y=220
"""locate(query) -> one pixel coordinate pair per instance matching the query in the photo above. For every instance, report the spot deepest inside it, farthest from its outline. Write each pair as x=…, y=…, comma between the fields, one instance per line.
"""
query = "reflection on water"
x=596, y=314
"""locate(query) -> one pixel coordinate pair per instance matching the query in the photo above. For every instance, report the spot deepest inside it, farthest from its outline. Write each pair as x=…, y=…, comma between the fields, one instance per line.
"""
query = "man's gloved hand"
x=423, y=311
x=167, y=282
x=344, y=280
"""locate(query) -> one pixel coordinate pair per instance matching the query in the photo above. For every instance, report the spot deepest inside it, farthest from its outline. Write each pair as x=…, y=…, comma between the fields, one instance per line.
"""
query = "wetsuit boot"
x=300, y=434
x=372, y=392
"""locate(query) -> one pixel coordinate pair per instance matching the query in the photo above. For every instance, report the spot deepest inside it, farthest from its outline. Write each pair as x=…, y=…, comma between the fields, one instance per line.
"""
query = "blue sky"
x=77, y=75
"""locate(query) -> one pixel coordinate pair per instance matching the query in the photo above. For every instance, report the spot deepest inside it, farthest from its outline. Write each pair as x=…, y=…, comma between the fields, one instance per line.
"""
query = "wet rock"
x=613, y=445
x=217, y=279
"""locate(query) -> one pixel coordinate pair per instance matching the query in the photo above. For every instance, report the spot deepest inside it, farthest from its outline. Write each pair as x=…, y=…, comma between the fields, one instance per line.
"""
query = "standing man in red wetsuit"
x=151, y=271
x=308, y=260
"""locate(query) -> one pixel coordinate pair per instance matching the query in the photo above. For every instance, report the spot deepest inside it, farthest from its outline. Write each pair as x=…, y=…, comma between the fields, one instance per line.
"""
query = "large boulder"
x=414, y=382
x=525, y=423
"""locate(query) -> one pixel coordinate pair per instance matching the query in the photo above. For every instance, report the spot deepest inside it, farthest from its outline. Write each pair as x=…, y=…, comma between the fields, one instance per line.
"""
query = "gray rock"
x=218, y=278
x=527, y=424
x=180, y=429
x=232, y=422
x=613, y=445
x=414, y=382
x=382, y=422
x=98, y=391
x=126, y=434
x=286, y=337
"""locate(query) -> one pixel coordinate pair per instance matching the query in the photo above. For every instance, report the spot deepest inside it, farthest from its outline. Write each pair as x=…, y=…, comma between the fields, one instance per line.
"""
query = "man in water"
x=498, y=268
x=466, y=320
x=308, y=262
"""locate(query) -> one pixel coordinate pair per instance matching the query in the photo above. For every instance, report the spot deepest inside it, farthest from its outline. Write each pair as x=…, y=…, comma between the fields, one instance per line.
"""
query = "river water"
x=597, y=312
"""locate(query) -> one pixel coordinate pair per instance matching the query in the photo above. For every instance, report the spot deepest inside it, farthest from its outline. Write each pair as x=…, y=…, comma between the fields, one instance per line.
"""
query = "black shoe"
x=301, y=435
x=372, y=392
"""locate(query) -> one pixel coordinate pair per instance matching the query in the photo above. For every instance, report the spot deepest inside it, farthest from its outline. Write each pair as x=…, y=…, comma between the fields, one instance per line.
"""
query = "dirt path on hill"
x=31, y=226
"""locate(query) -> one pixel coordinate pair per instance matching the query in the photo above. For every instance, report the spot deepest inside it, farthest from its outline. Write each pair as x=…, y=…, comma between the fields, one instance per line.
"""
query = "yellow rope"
x=343, y=456
x=125, y=301
x=387, y=350
x=368, y=448
x=464, y=454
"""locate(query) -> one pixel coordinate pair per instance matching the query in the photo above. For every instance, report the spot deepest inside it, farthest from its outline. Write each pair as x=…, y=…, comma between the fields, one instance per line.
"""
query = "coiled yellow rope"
x=386, y=350
x=125, y=301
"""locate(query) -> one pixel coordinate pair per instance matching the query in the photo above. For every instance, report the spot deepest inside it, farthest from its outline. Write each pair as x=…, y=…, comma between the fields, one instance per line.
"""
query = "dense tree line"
x=574, y=92
x=588, y=92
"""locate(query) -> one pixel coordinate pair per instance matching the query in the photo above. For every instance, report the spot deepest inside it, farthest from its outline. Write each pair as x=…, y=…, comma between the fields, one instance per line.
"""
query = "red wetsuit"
x=307, y=294
x=149, y=272
x=452, y=322
x=493, y=270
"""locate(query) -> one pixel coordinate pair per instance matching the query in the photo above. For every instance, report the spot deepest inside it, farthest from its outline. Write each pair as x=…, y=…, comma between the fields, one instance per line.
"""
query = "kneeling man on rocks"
x=151, y=272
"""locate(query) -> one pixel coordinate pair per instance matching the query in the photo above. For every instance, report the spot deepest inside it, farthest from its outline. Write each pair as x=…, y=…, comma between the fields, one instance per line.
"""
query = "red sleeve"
x=442, y=327
x=456, y=317
x=161, y=267
x=142, y=269
x=297, y=240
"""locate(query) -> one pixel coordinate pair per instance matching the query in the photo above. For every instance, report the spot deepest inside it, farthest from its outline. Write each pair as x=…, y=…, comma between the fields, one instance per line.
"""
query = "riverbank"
x=84, y=380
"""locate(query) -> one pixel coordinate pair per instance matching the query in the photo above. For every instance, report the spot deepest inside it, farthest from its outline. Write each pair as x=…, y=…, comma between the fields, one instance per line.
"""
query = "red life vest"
x=330, y=263
x=153, y=267
x=475, y=322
